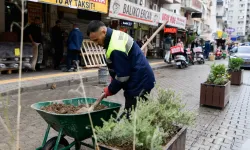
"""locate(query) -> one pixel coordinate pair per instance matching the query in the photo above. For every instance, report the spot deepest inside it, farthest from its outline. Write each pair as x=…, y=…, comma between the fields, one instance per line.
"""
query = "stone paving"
x=213, y=130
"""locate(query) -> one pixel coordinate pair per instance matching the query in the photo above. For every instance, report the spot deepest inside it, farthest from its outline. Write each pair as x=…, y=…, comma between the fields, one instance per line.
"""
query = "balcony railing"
x=177, y=1
x=169, y=1
x=220, y=2
x=192, y=5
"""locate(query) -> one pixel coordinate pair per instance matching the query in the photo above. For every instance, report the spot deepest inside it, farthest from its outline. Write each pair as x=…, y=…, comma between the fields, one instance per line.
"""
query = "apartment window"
x=240, y=22
x=242, y=11
x=240, y=28
x=141, y=2
x=239, y=33
x=240, y=17
x=242, y=5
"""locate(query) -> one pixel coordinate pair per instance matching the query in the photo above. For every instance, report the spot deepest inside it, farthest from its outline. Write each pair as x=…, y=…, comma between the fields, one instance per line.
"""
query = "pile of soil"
x=68, y=109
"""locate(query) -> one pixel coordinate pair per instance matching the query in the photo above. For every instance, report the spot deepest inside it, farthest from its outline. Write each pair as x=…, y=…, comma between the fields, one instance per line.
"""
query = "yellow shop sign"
x=92, y=5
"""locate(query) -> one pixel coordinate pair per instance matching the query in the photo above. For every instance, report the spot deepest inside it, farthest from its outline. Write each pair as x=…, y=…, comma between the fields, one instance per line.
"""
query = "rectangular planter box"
x=215, y=95
x=236, y=77
x=178, y=142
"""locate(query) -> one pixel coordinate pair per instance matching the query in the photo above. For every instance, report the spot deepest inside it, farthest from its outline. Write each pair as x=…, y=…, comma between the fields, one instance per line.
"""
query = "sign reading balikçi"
x=91, y=5
x=122, y=9
x=173, y=19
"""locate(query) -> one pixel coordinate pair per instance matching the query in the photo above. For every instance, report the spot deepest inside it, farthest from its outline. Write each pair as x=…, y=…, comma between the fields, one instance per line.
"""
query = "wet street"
x=214, y=129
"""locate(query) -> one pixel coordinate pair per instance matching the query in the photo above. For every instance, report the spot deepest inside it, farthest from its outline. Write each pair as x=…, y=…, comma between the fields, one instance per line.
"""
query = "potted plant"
x=235, y=72
x=158, y=123
x=216, y=90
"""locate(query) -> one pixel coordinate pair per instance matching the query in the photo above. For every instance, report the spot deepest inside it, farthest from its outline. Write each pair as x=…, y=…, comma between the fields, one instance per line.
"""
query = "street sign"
x=230, y=30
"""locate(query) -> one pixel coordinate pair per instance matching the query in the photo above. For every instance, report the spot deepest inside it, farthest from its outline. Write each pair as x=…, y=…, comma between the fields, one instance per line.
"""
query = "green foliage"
x=191, y=38
x=235, y=64
x=218, y=75
x=153, y=123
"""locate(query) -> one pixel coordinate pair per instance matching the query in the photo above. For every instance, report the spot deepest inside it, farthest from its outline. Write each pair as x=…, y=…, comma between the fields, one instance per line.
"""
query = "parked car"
x=244, y=53
x=247, y=43
x=233, y=50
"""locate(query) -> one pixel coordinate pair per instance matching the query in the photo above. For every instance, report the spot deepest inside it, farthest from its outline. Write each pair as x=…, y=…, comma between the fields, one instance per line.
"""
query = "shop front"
x=174, y=29
x=49, y=11
x=127, y=27
x=145, y=20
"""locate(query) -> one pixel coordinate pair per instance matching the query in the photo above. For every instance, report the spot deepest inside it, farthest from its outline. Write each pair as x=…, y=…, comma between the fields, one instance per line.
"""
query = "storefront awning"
x=182, y=30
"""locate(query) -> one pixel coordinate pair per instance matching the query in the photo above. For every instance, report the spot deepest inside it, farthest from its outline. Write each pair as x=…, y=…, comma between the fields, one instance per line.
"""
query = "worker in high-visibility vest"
x=127, y=64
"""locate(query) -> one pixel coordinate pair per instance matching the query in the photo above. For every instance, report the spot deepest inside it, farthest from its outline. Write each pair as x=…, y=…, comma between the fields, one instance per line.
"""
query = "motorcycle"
x=189, y=56
x=179, y=56
x=199, y=55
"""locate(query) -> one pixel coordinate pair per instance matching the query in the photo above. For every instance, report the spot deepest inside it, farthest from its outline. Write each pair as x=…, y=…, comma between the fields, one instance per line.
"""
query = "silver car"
x=244, y=53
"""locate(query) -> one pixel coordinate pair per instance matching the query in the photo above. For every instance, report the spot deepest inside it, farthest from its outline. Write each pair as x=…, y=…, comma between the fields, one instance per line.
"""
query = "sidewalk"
x=44, y=80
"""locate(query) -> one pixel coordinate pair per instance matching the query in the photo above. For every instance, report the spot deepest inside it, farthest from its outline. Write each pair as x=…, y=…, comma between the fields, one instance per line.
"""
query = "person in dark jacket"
x=74, y=46
x=57, y=40
x=127, y=64
x=207, y=49
x=35, y=37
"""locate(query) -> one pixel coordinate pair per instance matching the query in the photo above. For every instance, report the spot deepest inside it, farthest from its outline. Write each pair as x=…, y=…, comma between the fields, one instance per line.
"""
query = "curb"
x=64, y=83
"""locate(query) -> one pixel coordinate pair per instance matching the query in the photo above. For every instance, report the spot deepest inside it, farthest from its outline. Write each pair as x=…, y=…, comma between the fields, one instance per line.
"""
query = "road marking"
x=59, y=75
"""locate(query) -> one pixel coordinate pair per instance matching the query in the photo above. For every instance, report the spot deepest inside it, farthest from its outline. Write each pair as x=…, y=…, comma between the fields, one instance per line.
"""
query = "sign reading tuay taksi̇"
x=173, y=19
x=122, y=9
x=91, y=5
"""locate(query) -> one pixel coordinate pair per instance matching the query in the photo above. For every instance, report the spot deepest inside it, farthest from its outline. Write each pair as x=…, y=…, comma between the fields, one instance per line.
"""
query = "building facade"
x=237, y=16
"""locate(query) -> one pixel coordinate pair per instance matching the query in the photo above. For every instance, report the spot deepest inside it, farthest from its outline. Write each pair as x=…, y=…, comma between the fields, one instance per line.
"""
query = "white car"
x=244, y=53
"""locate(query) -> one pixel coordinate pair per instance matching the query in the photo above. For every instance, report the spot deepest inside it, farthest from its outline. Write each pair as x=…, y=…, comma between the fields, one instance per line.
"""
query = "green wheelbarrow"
x=76, y=126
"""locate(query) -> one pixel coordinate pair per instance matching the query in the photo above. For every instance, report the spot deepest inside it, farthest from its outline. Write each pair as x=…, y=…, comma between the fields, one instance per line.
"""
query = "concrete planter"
x=178, y=142
x=236, y=77
x=215, y=95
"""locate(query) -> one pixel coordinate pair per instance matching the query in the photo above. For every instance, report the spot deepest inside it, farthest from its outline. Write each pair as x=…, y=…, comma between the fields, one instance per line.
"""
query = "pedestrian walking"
x=167, y=46
x=127, y=65
x=74, y=44
x=207, y=49
x=57, y=41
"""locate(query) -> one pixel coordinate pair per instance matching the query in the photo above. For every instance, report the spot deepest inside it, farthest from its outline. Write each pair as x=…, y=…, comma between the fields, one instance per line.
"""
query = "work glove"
x=107, y=92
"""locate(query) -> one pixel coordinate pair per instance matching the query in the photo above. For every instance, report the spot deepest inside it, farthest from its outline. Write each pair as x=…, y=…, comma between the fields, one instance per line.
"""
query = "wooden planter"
x=236, y=77
x=215, y=95
x=178, y=142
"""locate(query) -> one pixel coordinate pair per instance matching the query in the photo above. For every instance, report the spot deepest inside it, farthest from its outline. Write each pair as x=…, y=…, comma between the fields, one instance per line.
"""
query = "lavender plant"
x=156, y=121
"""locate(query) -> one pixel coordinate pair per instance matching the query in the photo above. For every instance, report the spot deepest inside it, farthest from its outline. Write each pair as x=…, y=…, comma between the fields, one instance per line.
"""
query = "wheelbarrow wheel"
x=50, y=144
